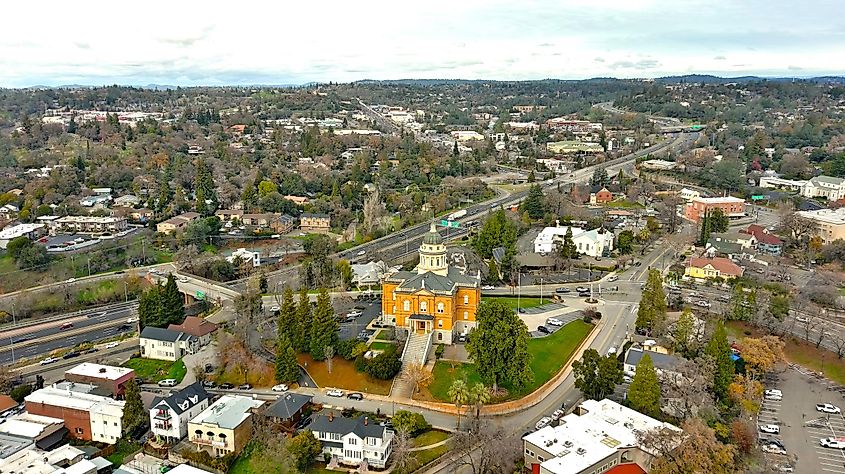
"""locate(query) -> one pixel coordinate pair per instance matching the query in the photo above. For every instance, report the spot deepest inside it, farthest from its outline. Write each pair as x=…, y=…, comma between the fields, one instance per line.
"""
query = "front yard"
x=154, y=370
x=548, y=356
x=343, y=376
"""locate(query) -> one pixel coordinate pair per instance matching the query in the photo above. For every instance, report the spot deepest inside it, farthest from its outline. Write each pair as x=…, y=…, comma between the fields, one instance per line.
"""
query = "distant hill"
x=710, y=79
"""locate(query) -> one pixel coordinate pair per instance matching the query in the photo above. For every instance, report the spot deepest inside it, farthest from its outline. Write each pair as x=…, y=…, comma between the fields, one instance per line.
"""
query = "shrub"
x=438, y=353
x=409, y=422
x=384, y=366
x=20, y=392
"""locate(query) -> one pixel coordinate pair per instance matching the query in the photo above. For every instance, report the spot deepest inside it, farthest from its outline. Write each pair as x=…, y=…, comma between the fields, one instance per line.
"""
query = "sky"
x=294, y=42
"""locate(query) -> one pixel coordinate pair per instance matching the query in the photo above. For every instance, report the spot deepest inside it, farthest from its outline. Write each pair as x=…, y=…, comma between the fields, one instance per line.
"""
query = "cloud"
x=639, y=65
x=719, y=58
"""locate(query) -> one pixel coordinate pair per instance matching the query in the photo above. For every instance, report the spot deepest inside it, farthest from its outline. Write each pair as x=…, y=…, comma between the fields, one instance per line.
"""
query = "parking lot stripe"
x=832, y=470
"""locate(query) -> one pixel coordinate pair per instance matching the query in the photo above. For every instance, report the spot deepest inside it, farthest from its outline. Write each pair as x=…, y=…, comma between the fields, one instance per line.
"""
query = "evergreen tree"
x=534, y=202
x=287, y=369
x=149, y=307
x=324, y=327
x=499, y=346
x=644, y=392
x=172, y=303
x=596, y=376
x=206, y=197
x=600, y=177
x=720, y=351
x=301, y=341
x=134, y=415
x=718, y=221
x=493, y=272
x=286, y=323
x=651, y=315
x=568, y=248
x=684, y=334
x=705, y=229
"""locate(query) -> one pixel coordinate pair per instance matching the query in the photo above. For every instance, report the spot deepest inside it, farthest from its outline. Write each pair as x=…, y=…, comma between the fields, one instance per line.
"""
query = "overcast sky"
x=294, y=42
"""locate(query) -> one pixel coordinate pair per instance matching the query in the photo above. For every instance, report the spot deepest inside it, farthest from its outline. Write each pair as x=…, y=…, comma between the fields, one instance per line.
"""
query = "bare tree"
x=403, y=457
x=839, y=343
x=373, y=212
x=271, y=455
x=486, y=449
x=185, y=257
x=417, y=375
x=328, y=351
x=688, y=390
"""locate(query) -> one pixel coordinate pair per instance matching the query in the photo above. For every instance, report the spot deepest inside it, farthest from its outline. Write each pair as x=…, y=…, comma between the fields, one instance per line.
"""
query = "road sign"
x=758, y=197
x=453, y=224
x=200, y=295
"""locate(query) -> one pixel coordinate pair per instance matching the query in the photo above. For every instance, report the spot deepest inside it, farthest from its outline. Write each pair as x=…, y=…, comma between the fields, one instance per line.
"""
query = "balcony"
x=162, y=415
x=166, y=425
x=210, y=442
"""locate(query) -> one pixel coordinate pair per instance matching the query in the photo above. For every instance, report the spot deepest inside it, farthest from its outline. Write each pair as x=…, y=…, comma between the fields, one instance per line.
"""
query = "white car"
x=773, y=449
x=544, y=422
x=703, y=304
x=361, y=253
x=612, y=278
x=111, y=345
x=554, y=322
x=773, y=392
x=280, y=388
x=167, y=383
x=275, y=308
x=833, y=443
x=488, y=287
x=132, y=320
x=49, y=360
x=802, y=319
x=827, y=408
x=335, y=393
x=611, y=351
x=771, y=429
x=183, y=280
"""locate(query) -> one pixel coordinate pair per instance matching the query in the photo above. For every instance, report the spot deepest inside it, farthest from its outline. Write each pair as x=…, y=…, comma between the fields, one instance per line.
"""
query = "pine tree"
x=149, y=307
x=493, y=272
x=651, y=315
x=720, y=351
x=286, y=322
x=301, y=341
x=172, y=303
x=204, y=189
x=134, y=415
x=684, y=334
x=287, y=369
x=499, y=346
x=324, y=327
x=644, y=392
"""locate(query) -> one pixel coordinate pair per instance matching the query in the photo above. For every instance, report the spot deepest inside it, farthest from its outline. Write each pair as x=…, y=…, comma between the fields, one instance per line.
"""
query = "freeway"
x=41, y=339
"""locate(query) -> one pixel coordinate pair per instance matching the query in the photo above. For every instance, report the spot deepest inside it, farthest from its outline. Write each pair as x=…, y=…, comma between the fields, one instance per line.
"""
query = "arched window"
x=466, y=315
x=423, y=306
x=440, y=307
x=406, y=305
x=466, y=299
x=440, y=323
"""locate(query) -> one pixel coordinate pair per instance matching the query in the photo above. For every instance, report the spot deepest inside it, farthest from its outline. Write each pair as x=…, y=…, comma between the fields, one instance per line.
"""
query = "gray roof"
x=288, y=405
x=184, y=399
x=422, y=317
x=498, y=254
x=828, y=180
x=160, y=334
x=345, y=426
x=729, y=248
x=660, y=361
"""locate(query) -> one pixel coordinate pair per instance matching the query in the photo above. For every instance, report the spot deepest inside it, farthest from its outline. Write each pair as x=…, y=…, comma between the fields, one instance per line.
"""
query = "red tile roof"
x=763, y=235
x=724, y=265
x=194, y=326
x=629, y=468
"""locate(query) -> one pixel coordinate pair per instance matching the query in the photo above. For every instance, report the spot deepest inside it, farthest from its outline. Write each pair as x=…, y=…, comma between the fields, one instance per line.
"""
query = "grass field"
x=384, y=335
x=548, y=356
x=799, y=352
x=155, y=370
x=623, y=204
x=343, y=376
x=381, y=346
x=428, y=455
x=511, y=302
x=430, y=437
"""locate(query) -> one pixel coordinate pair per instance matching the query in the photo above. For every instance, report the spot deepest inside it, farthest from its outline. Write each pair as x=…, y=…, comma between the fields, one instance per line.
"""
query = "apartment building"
x=91, y=224
x=730, y=206
x=107, y=377
x=177, y=223
x=30, y=231
x=352, y=441
x=87, y=416
x=170, y=415
x=830, y=223
x=225, y=427
x=314, y=222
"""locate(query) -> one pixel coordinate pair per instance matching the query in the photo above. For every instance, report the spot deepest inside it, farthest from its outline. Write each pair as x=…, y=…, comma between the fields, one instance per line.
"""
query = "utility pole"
x=89, y=266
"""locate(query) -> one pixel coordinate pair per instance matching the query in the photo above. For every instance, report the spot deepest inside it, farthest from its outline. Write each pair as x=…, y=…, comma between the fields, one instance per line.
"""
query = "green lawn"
x=381, y=346
x=511, y=301
x=123, y=449
x=624, y=204
x=428, y=455
x=384, y=335
x=155, y=370
x=548, y=356
x=430, y=437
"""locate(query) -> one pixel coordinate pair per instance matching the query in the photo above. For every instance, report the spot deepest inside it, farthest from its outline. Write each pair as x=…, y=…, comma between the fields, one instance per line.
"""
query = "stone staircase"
x=416, y=351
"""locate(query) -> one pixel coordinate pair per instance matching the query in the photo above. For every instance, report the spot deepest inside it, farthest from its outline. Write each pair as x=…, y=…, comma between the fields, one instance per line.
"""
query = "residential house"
x=243, y=256
x=369, y=274
x=830, y=188
x=298, y=200
x=718, y=267
x=170, y=415
x=287, y=410
x=352, y=441
x=91, y=224
x=164, y=344
x=108, y=377
x=177, y=223
x=283, y=224
x=141, y=215
x=716, y=247
x=30, y=231
x=95, y=201
x=745, y=241
x=664, y=364
x=595, y=242
x=830, y=223
x=225, y=427
x=766, y=241
x=599, y=436
x=688, y=194
x=314, y=222
x=87, y=416
x=9, y=212
x=197, y=327
x=258, y=221
x=228, y=215
x=730, y=206
x=600, y=195
x=127, y=200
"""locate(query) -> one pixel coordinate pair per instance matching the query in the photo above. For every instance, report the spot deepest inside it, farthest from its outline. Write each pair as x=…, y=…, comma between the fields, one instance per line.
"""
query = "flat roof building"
x=111, y=378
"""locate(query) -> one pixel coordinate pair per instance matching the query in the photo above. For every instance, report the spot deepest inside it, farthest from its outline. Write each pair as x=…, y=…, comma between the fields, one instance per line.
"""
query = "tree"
x=206, y=197
x=651, y=315
x=690, y=391
x=149, y=307
x=600, y=177
x=499, y=346
x=16, y=245
x=693, y=450
x=417, y=375
x=32, y=256
x=720, y=352
x=596, y=376
x=761, y=354
x=134, y=415
x=186, y=256
x=493, y=272
x=410, y=422
x=301, y=339
x=485, y=449
x=459, y=395
x=266, y=187
x=625, y=242
x=304, y=448
x=172, y=302
x=704, y=228
x=644, y=392
x=344, y=270
x=534, y=203
x=286, y=321
x=779, y=306
x=328, y=353
x=743, y=302
x=718, y=221
x=479, y=394
x=324, y=326
x=287, y=368
x=684, y=334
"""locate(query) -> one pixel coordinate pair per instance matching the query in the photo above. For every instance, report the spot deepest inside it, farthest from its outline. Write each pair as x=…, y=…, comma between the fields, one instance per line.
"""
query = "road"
x=40, y=339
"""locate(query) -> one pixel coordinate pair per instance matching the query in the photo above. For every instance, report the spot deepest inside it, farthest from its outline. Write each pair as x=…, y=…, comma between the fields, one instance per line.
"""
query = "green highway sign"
x=453, y=224
x=758, y=197
x=200, y=295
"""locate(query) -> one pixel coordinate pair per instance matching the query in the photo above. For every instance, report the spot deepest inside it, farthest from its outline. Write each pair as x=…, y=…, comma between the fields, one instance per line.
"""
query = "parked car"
x=582, y=289
x=49, y=360
x=543, y=329
x=280, y=388
x=521, y=310
x=354, y=314
x=612, y=278
x=773, y=392
x=771, y=429
x=544, y=422
x=226, y=386
x=611, y=351
x=554, y=322
x=132, y=320
x=833, y=443
x=335, y=393
x=462, y=338
x=245, y=386
x=488, y=287
x=827, y=408
x=355, y=396
x=802, y=319
x=209, y=384
x=563, y=290
x=167, y=383
x=361, y=253
x=111, y=345
x=71, y=355
x=702, y=304
x=773, y=449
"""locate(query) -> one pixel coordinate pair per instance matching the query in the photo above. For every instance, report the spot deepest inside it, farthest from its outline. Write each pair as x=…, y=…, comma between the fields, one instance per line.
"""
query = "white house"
x=30, y=231
x=164, y=344
x=9, y=211
x=688, y=194
x=169, y=416
x=594, y=243
x=352, y=441
x=832, y=189
x=86, y=415
x=245, y=255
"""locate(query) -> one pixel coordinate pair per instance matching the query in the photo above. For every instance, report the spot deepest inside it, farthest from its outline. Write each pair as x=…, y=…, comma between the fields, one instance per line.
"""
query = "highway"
x=39, y=339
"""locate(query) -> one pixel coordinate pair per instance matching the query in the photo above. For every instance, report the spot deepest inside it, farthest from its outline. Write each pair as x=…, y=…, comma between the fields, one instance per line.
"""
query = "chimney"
x=366, y=421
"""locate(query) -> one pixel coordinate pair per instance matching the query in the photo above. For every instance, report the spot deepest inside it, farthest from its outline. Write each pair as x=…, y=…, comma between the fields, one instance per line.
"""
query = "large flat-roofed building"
x=730, y=206
x=87, y=416
x=46, y=432
x=574, y=147
x=596, y=437
x=111, y=378
x=830, y=223
x=225, y=427
x=91, y=224
x=30, y=231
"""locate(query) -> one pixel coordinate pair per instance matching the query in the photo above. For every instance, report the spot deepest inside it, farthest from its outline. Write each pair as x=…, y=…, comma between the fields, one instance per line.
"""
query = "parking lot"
x=801, y=426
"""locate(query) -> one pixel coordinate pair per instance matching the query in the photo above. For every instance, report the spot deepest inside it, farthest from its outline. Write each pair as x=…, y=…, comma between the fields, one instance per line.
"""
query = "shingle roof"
x=345, y=426
x=288, y=405
x=184, y=399
x=160, y=334
x=660, y=361
x=194, y=326
x=724, y=265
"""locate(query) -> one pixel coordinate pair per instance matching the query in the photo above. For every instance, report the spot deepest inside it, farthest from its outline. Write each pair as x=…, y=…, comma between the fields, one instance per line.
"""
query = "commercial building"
x=708, y=268
x=828, y=187
x=315, y=222
x=42, y=431
x=170, y=415
x=466, y=135
x=352, y=441
x=594, y=243
x=688, y=194
x=64, y=460
x=225, y=427
x=87, y=416
x=595, y=438
x=30, y=231
x=107, y=377
x=436, y=299
x=91, y=224
x=177, y=223
x=830, y=223
x=574, y=147
x=164, y=344
x=780, y=183
x=730, y=206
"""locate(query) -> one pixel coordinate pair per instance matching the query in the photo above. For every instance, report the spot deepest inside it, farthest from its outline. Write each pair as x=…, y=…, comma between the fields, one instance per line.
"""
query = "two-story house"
x=169, y=416
x=766, y=241
x=709, y=268
x=198, y=327
x=314, y=222
x=352, y=441
x=164, y=344
x=225, y=427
